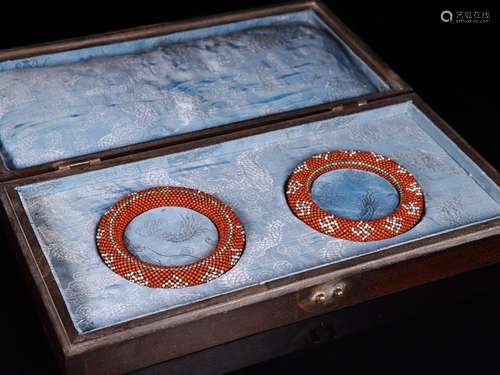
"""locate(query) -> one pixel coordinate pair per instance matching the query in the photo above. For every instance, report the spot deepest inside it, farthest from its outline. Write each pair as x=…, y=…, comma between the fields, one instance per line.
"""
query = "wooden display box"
x=456, y=235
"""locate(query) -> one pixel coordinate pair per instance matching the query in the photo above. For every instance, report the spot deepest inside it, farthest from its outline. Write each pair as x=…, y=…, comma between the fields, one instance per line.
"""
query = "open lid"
x=132, y=91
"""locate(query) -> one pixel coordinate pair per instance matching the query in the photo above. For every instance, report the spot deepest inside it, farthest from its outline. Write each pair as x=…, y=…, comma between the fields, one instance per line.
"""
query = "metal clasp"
x=323, y=296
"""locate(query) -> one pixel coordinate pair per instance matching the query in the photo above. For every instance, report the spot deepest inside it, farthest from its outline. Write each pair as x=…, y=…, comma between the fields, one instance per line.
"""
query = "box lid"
x=121, y=95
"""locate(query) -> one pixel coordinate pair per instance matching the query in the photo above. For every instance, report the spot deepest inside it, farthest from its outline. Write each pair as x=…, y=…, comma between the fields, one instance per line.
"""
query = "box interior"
x=249, y=174
x=57, y=106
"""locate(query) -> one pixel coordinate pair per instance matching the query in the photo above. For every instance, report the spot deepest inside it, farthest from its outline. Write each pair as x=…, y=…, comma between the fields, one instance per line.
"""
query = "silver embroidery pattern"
x=394, y=224
x=363, y=230
x=329, y=224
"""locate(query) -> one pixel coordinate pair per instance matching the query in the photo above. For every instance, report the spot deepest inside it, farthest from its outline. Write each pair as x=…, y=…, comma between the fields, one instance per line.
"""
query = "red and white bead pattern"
x=119, y=259
x=403, y=218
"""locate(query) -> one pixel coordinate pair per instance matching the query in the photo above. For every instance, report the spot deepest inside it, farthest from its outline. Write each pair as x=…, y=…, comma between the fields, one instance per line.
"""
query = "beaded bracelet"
x=112, y=249
x=402, y=219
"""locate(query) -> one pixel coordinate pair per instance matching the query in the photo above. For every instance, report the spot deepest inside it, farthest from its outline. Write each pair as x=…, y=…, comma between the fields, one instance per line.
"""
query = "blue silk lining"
x=249, y=174
x=171, y=236
x=68, y=104
x=354, y=194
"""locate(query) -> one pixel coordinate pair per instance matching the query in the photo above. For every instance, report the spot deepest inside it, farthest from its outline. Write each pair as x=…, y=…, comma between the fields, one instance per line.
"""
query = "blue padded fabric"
x=58, y=106
x=355, y=194
x=171, y=236
x=249, y=174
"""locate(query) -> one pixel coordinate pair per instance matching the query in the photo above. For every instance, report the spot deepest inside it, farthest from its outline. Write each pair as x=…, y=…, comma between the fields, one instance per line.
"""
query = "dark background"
x=453, y=67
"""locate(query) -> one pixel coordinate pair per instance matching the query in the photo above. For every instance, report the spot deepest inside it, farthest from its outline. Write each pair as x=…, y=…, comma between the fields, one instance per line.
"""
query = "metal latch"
x=90, y=162
x=322, y=296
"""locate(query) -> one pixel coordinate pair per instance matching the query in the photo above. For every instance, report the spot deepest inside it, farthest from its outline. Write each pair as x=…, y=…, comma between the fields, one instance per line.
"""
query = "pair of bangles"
x=231, y=242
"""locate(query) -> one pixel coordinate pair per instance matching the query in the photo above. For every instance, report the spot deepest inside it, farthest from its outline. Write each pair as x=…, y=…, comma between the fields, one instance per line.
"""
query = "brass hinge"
x=340, y=107
x=64, y=167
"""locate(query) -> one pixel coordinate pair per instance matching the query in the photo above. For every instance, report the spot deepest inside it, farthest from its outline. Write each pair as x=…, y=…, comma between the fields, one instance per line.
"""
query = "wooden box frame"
x=127, y=346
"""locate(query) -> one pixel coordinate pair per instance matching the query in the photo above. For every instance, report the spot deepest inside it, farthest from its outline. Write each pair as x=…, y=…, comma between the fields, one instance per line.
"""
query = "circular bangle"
x=114, y=253
x=402, y=219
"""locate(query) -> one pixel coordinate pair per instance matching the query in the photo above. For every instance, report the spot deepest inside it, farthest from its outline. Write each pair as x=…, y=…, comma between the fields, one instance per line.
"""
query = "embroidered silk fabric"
x=249, y=174
x=355, y=194
x=73, y=103
x=171, y=236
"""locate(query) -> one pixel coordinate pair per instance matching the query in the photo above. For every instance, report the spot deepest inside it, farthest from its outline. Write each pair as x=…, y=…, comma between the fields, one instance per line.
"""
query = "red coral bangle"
x=111, y=247
x=402, y=219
